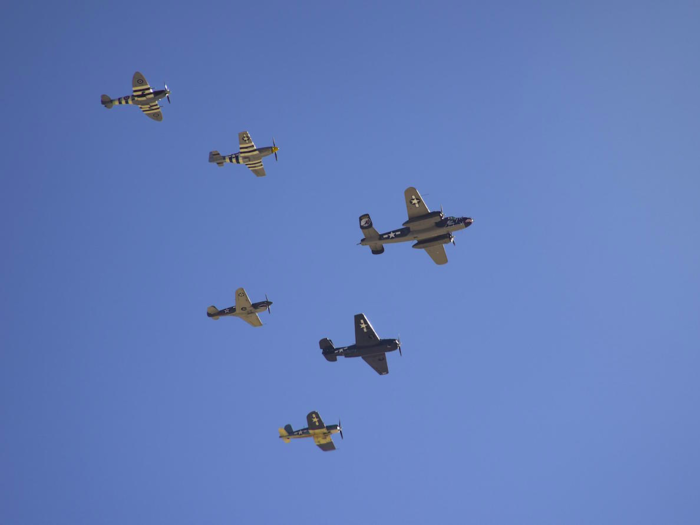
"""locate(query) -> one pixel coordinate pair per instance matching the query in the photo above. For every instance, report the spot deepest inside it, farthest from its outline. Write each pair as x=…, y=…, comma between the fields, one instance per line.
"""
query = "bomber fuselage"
x=428, y=227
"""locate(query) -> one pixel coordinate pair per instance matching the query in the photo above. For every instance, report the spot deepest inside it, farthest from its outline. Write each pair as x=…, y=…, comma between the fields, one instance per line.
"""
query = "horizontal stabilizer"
x=212, y=311
x=106, y=101
x=215, y=156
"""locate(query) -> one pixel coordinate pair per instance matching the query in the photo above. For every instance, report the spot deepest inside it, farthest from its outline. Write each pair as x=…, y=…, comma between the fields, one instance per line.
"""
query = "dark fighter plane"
x=430, y=228
x=143, y=97
x=367, y=345
x=316, y=429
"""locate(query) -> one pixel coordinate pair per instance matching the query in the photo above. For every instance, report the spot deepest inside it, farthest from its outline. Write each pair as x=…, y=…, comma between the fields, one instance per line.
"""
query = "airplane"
x=249, y=154
x=430, y=228
x=316, y=429
x=143, y=97
x=244, y=309
x=367, y=345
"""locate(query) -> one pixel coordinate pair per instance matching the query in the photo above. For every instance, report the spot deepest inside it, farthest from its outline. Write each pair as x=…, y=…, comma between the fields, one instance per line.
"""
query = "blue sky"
x=550, y=370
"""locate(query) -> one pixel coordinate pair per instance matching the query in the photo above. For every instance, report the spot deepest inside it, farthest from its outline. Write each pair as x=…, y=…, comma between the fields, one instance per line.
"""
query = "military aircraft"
x=244, y=309
x=367, y=345
x=430, y=228
x=249, y=154
x=143, y=97
x=316, y=429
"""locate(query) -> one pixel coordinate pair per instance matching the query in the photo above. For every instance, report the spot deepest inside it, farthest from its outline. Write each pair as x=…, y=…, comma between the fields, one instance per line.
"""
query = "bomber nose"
x=468, y=221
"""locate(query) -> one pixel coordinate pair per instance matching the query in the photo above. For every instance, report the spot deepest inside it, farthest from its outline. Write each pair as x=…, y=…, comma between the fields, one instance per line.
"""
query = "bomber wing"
x=415, y=205
x=437, y=254
x=378, y=362
x=364, y=333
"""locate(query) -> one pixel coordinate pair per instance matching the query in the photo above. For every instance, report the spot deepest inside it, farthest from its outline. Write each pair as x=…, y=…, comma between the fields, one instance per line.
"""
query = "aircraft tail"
x=215, y=156
x=106, y=101
x=212, y=311
x=370, y=234
x=328, y=349
x=284, y=432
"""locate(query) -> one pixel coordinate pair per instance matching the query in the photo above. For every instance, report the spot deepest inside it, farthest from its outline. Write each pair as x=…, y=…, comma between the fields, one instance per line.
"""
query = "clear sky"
x=550, y=370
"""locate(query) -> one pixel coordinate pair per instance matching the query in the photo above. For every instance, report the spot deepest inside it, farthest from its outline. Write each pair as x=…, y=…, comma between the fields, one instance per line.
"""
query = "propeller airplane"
x=244, y=309
x=143, y=97
x=316, y=429
x=248, y=155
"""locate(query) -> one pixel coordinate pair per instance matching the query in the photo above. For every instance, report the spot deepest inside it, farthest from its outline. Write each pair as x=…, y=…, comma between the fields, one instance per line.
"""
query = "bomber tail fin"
x=370, y=234
x=328, y=349
x=106, y=101
x=212, y=311
x=215, y=156
x=284, y=433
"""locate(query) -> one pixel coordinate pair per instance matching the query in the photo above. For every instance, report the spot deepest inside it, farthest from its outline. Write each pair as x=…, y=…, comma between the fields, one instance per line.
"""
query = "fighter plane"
x=367, y=345
x=244, y=309
x=430, y=228
x=316, y=429
x=143, y=97
x=249, y=154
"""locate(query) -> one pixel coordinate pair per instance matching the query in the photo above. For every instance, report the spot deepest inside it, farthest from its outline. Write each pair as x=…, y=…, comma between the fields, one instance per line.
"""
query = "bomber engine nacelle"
x=435, y=241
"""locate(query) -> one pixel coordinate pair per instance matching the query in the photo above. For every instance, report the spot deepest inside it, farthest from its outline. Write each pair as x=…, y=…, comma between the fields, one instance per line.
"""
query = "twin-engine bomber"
x=248, y=155
x=244, y=309
x=430, y=228
x=143, y=97
x=367, y=345
x=316, y=429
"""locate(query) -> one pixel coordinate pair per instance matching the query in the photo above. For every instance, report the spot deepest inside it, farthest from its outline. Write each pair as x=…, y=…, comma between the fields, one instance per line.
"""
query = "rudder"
x=212, y=311
x=215, y=156
x=106, y=101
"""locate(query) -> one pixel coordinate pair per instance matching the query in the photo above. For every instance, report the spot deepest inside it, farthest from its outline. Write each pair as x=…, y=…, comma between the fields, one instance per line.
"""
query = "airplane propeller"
x=340, y=429
x=275, y=147
x=452, y=239
x=269, y=310
x=442, y=214
x=167, y=92
x=399, y=341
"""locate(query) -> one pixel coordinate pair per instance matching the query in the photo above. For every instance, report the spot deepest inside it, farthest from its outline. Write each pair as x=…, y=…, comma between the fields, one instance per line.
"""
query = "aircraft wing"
x=364, y=333
x=414, y=203
x=257, y=168
x=243, y=304
x=245, y=143
x=437, y=254
x=140, y=85
x=324, y=442
x=378, y=362
x=252, y=319
x=314, y=421
x=153, y=111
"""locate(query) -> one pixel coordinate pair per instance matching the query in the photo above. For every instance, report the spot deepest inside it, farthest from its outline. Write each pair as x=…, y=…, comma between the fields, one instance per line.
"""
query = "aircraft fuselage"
x=255, y=308
x=382, y=346
x=145, y=100
x=428, y=228
x=250, y=156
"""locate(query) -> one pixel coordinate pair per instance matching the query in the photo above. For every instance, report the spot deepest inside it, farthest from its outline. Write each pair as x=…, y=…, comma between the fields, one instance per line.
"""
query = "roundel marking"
x=139, y=81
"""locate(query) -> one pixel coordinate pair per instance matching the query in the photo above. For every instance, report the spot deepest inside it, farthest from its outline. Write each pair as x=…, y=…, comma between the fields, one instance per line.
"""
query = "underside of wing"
x=140, y=86
x=414, y=203
x=252, y=320
x=153, y=111
x=437, y=254
x=324, y=442
x=245, y=143
x=243, y=304
x=365, y=334
x=257, y=168
x=378, y=362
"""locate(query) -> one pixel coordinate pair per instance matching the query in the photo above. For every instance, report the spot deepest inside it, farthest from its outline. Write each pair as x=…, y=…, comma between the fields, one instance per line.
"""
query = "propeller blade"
x=167, y=91
x=274, y=146
x=340, y=429
x=399, y=341
x=269, y=309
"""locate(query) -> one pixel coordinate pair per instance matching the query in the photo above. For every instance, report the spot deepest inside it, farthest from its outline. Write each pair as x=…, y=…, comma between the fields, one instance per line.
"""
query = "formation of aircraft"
x=244, y=309
x=248, y=154
x=367, y=345
x=143, y=97
x=431, y=230
x=316, y=429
